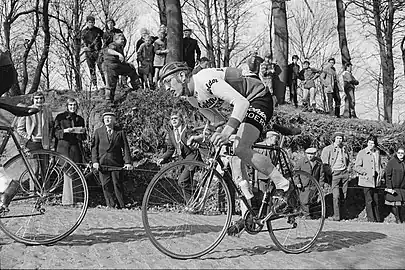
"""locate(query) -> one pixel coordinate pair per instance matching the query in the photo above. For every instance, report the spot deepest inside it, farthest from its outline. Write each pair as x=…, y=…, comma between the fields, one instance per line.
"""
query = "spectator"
x=395, y=181
x=369, y=168
x=330, y=83
x=110, y=148
x=204, y=63
x=190, y=49
x=110, y=31
x=267, y=71
x=311, y=164
x=254, y=61
x=160, y=50
x=146, y=33
x=177, y=142
x=272, y=139
x=336, y=157
x=37, y=129
x=292, y=79
x=115, y=64
x=308, y=75
x=92, y=43
x=145, y=57
x=69, y=133
x=349, y=83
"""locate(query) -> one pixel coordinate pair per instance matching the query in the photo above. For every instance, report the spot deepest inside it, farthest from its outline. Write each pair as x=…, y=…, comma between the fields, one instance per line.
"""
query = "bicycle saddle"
x=286, y=131
x=18, y=110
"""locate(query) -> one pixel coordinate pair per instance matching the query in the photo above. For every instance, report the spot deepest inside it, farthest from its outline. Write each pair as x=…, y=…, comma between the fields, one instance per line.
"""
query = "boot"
x=337, y=112
x=8, y=194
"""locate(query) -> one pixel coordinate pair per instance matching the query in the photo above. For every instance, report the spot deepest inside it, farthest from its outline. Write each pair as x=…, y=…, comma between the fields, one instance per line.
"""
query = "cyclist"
x=252, y=109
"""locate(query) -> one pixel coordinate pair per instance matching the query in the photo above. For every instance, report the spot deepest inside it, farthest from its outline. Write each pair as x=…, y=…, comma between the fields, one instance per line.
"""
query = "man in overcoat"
x=190, y=49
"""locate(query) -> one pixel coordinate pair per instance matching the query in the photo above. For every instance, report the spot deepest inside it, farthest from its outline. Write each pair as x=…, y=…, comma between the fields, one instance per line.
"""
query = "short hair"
x=306, y=62
x=332, y=59
x=347, y=65
x=37, y=94
x=110, y=20
x=295, y=57
x=204, y=59
x=90, y=19
x=372, y=138
x=178, y=113
x=118, y=35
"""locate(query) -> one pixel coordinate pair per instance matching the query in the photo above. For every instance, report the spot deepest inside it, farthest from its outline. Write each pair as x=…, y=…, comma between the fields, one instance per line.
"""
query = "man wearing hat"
x=336, y=159
x=110, y=149
x=311, y=164
x=330, y=83
x=92, y=42
x=190, y=48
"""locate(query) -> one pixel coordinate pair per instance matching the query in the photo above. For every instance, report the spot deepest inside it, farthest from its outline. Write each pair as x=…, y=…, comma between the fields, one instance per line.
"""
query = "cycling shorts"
x=260, y=111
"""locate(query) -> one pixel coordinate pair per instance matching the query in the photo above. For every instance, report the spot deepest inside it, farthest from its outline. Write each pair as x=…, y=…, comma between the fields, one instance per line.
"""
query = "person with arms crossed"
x=252, y=109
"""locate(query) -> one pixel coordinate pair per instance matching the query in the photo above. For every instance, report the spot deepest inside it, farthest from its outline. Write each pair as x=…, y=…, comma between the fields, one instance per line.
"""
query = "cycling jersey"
x=214, y=86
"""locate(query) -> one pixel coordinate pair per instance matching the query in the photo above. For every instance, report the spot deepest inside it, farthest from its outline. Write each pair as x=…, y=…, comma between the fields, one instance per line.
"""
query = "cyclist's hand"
x=128, y=167
x=192, y=142
x=96, y=166
x=219, y=139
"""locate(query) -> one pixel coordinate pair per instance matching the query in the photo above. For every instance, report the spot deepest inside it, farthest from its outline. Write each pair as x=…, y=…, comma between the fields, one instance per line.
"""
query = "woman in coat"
x=395, y=181
x=368, y=166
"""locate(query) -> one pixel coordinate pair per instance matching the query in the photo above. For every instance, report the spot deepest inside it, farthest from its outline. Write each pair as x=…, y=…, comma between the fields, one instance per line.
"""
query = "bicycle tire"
x=284, y=230
x=49, y=210
x=164, y=204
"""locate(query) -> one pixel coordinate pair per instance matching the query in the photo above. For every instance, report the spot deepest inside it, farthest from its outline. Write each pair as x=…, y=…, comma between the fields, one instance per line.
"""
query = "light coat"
x=366, y=168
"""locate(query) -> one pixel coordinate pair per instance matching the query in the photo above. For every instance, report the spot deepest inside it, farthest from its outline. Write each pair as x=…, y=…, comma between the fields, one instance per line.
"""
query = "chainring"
x=251, y=224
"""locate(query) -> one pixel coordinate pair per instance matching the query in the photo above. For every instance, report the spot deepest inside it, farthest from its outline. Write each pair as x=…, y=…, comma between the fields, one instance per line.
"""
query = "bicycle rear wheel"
x=186, y=219
x=49, y=209
x=297, y=230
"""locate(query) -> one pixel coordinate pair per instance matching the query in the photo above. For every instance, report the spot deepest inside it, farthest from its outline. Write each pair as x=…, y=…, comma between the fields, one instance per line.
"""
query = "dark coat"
x=171, y=144
x=190, y=48
x=114, y=153
x=92, y=38
x=292, y=73
x=69, y=144
x=395, y=179
x=316, y=171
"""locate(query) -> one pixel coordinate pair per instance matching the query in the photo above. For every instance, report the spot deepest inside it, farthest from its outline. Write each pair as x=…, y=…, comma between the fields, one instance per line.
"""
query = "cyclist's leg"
x=246, y=136
x=240, y=176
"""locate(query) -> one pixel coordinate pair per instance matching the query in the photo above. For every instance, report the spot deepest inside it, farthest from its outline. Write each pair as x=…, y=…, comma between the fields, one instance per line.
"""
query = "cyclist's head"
x=176, y=118
x=174, y=77
x=71, y=105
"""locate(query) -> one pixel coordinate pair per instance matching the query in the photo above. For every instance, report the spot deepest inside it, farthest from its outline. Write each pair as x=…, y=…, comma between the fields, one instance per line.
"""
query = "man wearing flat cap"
x=190, y=49
x=311, y=164
x=336, y=159
x=110, y=152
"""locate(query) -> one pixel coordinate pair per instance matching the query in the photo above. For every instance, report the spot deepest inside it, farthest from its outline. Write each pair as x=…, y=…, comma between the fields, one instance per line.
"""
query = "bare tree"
x=175, y=31
x=341, y=28
x=162, y=11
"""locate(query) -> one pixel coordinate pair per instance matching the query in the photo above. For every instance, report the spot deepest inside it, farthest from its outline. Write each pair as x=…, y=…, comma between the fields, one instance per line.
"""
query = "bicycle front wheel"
x=50, y=207
x=297, y=230
x=186, y=209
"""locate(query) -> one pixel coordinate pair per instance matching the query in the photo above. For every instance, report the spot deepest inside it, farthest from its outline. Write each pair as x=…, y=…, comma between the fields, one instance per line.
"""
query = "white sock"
x=246, y=190
x=279, y=181
x=5, y=180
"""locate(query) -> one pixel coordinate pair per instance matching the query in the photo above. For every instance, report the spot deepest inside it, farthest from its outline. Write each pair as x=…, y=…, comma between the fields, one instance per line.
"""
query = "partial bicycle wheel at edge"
x=50, y=210
x=297, y=230
x=186, y=209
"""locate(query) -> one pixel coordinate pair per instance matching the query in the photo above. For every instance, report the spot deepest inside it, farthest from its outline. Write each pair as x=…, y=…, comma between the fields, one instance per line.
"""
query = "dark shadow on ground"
x=327, y=241
x=127, y=234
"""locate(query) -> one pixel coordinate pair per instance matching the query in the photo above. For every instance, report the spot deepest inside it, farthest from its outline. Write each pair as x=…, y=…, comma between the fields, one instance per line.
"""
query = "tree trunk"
x=280, y=47
x=210, y=41
x=341, y=28
x=174, y=31
x=15, y=89
x=162, y=11
x=386, y=55
x=45, y=51
x=226, y=35
x=218, y=49
x=28, y=46
x=403, y=52
x=271, y=32
x=77, y=45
